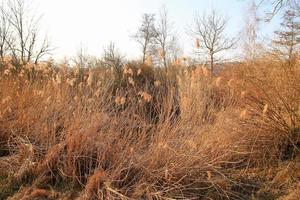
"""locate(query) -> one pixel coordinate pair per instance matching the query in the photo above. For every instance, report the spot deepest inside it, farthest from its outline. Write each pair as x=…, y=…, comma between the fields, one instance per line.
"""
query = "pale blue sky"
x=95, y=23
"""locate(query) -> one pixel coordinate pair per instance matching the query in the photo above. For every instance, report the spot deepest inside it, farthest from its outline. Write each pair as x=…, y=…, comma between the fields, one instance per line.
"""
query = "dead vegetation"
x=149, y=134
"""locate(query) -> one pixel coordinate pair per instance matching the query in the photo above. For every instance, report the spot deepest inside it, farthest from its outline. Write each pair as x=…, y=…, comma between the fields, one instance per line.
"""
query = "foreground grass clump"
x=148, y=134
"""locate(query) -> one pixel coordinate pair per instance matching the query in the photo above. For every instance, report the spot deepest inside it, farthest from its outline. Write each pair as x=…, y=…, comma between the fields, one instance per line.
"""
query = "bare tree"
x=146, y=34
x=209, y=28
x=82, y=57
x=112, y=58
x=288, y=39
x=250, y=32
x=25, y=46
x=276, y=5
x=175, y=49
x=5, y=36
x=164, y=37
x=44, y=49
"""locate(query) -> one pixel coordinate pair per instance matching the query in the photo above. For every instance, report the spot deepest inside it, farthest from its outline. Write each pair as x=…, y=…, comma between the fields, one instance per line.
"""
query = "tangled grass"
x=69, y=133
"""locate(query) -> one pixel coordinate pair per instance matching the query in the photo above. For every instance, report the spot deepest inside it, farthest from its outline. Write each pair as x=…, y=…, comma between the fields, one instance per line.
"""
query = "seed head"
x=120, y=100
x=90, y=78
x=146, y=97
x=243, y=114
x=71, y=82
x=127, y=71
x=157, y=83
x=6, y=72
x=139, y=72
x=131, y=81
x=99, y=83
x=265, y=110
x=209, y=175
x=243, y=94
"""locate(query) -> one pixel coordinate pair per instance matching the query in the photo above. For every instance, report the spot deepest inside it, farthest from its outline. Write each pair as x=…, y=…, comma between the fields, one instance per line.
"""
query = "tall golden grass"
x=145, y=133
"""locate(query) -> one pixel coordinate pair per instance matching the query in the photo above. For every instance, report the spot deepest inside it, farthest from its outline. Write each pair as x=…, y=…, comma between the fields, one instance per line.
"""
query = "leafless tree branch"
x=209, y=28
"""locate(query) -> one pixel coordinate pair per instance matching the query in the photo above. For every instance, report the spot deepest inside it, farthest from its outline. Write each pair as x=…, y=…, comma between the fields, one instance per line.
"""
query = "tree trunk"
x=212, y=63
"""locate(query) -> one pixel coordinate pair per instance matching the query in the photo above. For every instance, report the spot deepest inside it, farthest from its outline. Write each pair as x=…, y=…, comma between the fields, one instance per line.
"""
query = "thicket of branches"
x=20, y=35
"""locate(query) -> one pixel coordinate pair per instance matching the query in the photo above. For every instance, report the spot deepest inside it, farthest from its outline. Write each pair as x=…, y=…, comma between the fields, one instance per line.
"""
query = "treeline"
x=22, y=41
